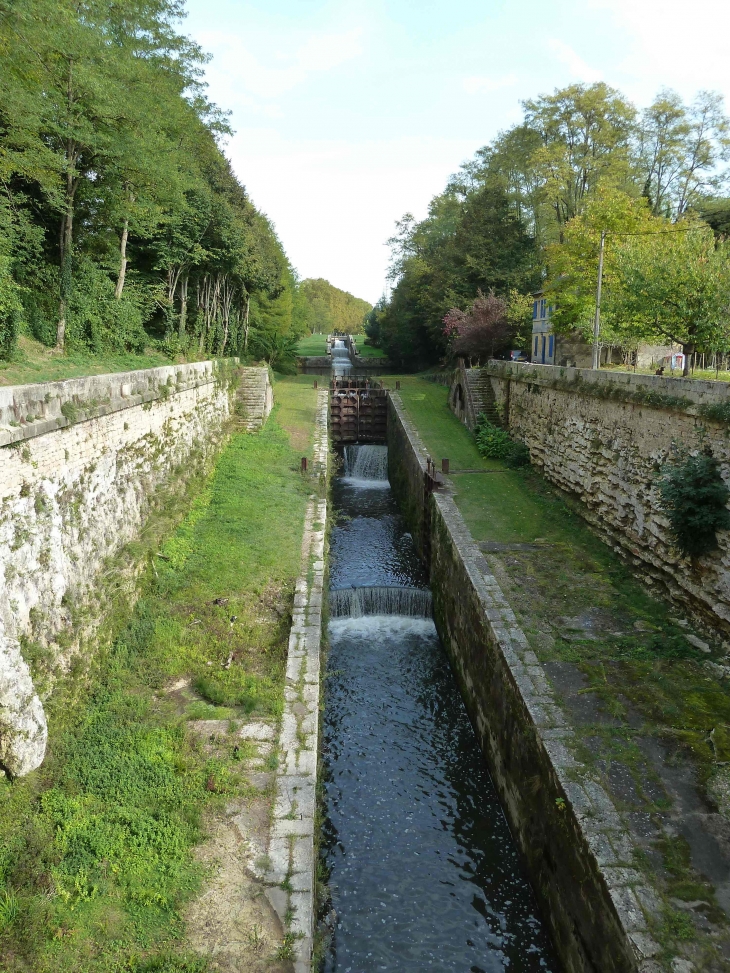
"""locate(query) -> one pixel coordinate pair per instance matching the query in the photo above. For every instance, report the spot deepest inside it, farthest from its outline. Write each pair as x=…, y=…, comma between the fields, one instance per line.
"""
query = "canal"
x=423, y=873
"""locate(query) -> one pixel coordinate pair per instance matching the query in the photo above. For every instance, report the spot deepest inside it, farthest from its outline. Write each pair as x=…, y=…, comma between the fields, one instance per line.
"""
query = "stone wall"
x=80, y=462
x=603, y=438
x=579, y=854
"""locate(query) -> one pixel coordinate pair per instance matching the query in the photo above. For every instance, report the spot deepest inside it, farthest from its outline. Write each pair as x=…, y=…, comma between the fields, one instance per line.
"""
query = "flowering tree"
x=482, y=330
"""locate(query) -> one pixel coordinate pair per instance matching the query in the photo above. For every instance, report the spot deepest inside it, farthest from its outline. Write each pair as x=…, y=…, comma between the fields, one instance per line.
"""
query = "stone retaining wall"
x=80, y=464
x=579, y=854
x=603, y=438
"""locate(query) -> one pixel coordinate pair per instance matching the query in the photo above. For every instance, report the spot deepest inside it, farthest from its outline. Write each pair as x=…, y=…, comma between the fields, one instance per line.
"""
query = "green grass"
x=367, y=351
x=33, y=363
x=313, y=344
x=96, y=847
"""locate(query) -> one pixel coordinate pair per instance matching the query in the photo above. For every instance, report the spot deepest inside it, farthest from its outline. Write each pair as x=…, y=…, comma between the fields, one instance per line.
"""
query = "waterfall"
x=366, y=466
x=340, y=357
x=358, y=602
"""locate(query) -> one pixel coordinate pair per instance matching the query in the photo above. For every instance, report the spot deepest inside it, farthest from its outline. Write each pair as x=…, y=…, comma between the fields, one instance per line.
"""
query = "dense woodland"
x=329, y=309
x=528, y=211
x=122, y=224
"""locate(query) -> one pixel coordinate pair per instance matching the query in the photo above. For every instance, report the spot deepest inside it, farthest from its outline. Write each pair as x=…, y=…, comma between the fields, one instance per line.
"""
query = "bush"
x=496, y=443
x=492, y=442
x=695, y=497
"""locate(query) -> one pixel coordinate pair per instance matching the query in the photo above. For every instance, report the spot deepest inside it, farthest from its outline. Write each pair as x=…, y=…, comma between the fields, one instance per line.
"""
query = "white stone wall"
x=73, y=492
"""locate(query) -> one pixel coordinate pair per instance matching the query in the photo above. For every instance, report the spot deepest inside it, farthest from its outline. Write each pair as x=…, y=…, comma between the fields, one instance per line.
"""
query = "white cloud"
x=477, y=84
x=580, y=69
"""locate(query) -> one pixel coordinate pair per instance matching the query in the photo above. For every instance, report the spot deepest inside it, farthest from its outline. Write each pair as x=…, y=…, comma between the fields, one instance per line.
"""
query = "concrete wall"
x=80, y=463
x=578, y=852
x=603, y=438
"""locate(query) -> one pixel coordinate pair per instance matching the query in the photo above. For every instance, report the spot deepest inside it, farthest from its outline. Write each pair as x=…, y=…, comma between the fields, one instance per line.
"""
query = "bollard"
x=304, y=464
x=444, y=466
x=315, y=383
x=397, y=386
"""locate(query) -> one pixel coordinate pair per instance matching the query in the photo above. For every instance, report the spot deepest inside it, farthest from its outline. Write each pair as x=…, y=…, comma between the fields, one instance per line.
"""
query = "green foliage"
x=117, y=201
x=495, y=443
x=695, y=498
x=328, y=309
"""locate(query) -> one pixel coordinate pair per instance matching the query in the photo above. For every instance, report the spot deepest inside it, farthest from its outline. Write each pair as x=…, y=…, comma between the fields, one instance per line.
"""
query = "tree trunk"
x=688, y=349
x=245, y=324
x=122, y=260
x=183, y=308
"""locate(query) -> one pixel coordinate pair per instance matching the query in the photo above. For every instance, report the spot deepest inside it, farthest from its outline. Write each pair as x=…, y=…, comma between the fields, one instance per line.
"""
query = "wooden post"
x=304, y=464
x=444, y=466
x=397, y=386
x=315, y=383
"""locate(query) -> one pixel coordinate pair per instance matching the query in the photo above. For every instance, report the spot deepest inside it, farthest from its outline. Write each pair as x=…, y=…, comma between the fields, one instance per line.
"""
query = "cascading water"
x=366, y=466
x=423, y=871
x=341, y=363
x=359, y=602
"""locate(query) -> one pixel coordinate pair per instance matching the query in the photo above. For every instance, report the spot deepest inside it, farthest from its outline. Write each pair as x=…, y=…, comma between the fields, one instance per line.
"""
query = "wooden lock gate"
x=358, y=411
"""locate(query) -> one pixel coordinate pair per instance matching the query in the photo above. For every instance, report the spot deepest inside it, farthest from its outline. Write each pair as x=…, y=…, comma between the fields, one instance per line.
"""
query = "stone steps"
x=253, y=398
x=482, y=396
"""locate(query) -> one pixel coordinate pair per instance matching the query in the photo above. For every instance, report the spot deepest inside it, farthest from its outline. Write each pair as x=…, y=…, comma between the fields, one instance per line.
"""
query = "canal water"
x=423, y=871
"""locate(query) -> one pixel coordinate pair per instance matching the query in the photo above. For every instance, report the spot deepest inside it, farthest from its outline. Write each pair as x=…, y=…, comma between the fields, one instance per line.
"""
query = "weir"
x=423, y=872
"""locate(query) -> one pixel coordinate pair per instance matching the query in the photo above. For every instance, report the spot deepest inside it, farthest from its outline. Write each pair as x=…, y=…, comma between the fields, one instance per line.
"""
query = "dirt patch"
x=232, y=922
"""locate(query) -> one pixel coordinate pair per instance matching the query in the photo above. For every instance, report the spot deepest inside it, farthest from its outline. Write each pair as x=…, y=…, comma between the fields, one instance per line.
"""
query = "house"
x=573, y=350
x=550, y=349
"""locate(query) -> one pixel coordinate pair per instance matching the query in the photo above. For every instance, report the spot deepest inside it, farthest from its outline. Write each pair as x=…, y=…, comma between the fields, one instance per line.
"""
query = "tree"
x=680, y=148
x=482, y=330
x=586, y=139
x=676, y=286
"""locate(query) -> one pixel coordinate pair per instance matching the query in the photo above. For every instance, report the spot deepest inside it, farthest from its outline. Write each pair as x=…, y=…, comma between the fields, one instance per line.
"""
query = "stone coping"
x=605, y=838
x=290, y=875
x=654, y=391
x=27, y=411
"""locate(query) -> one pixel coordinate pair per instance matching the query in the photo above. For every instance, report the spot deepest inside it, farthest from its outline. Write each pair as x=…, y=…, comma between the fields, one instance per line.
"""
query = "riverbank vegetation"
x=123, y=227
x=97, y=847
x=330, y=310
x=529, y=210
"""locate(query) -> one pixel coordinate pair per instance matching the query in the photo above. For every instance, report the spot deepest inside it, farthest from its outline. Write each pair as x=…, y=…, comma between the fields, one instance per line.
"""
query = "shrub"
x=496, y=443
x=492, y=441
x=695, y=496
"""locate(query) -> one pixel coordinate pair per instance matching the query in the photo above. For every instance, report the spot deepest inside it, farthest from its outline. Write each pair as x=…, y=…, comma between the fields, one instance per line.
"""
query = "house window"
x=543, y=349
x=543, y=308
x=534, y=310
x=536, y=340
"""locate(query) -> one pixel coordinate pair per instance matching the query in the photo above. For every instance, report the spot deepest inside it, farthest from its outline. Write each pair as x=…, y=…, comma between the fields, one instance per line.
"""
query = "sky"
x=349, y=114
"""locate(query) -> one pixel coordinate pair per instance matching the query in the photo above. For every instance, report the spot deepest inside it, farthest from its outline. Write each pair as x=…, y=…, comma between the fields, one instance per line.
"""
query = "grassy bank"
x=96, y=851
x=33, y=363
x=652, y=719
x=313, y=344
x=367, y=351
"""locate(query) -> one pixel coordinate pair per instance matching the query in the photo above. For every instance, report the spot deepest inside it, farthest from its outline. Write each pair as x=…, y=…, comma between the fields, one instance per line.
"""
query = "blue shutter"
x=550, y=347
x=534, y=310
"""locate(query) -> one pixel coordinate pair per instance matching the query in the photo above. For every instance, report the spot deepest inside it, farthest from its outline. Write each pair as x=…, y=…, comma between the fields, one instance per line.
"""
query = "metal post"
x=444, y=466
x=597, y=320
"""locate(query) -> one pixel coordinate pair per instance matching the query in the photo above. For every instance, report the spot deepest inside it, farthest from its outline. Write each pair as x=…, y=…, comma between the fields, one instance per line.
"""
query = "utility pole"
x=597, y=320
